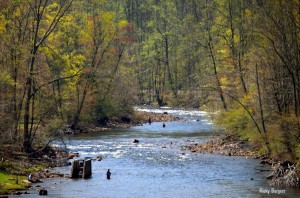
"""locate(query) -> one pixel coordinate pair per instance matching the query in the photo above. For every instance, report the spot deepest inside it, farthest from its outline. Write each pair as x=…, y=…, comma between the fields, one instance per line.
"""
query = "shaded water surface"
x=157, y=167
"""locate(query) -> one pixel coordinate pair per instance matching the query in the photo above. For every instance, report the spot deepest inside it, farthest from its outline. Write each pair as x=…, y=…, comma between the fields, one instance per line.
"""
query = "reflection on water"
x=156, y=167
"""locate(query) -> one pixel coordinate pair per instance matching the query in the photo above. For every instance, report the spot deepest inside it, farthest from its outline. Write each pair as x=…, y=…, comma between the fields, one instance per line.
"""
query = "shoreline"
x=16, y=167
x=218, y=144
x=139, y=118
x=282, y=173
x=225, y=145
x=50, y=157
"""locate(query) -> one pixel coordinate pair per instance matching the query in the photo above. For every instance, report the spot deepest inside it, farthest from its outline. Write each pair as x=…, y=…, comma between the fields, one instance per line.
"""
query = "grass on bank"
x=10, y=183
x=14, y=168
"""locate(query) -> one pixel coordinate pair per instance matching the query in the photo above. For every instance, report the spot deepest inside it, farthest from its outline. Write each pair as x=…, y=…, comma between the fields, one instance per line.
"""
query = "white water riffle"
x=192, y=114
x=170, y=110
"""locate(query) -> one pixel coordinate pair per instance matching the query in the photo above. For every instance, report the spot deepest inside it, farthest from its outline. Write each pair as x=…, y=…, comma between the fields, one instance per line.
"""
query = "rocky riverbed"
x=224, y=146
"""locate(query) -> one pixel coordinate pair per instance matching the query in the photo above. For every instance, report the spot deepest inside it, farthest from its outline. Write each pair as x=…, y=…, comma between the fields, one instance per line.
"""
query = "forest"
x=63, y=62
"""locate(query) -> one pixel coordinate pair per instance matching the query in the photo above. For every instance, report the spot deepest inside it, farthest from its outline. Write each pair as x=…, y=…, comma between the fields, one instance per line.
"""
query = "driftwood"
x=285, y=174
x=263, y=170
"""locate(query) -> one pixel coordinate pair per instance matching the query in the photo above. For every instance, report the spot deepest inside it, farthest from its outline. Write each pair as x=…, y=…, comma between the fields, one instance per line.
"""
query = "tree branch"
x=244, y=107
x=55, y=80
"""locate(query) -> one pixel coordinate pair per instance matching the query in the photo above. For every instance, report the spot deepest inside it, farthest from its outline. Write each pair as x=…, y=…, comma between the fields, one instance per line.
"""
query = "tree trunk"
x=14, y=99
x=76, y=119
x=265, y=136
x=38, y=10
x=236, y=57
x=213, y=59
x=217, y=76
x=26, y=140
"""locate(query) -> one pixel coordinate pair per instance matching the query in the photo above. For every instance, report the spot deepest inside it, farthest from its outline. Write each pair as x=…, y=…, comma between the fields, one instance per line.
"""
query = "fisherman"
x=108, y=174
x=149, y=120
x=164, y=125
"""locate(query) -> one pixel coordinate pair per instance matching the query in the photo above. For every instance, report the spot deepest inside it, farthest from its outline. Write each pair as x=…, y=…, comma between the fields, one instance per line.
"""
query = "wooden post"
x=75, y=169
x=87, y=169
x=81, y=168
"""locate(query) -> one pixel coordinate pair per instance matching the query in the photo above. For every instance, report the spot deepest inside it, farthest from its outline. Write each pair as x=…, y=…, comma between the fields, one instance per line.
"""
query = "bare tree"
x=39, y=36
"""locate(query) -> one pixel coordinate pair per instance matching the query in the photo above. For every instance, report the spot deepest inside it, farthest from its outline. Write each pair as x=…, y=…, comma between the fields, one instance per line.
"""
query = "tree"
x=210, y=45
x=38, y=11
x=14, y=35
x=100, y=36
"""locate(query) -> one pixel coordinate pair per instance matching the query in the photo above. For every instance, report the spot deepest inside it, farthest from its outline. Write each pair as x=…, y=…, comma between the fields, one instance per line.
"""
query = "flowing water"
x=157, y=167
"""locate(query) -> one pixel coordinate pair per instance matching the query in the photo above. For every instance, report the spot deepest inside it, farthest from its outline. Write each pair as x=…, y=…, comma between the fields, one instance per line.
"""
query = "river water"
x=157, y=167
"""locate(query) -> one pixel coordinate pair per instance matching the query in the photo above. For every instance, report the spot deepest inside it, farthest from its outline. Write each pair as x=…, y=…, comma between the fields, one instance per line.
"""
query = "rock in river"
x=135, y=141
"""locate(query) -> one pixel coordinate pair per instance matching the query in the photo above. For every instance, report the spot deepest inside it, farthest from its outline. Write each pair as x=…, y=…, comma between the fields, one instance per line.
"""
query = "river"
x=157, y=167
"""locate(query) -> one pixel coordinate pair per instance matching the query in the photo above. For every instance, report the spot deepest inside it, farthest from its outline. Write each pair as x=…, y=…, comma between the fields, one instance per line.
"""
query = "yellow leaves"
x=248, y=13
x=220, y=19
x=101, y=23
x=53, y=7
x=50, y=13
x=73, y=62
x=123, y=24
x=2, y=24
x=5, y=78
x=250, y=98
x=107, y=17
x=298, y=151
x=223, y=51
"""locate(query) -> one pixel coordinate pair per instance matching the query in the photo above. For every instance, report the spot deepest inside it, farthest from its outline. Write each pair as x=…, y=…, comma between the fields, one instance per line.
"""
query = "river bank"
x=225, y=145
x=16, y=165
x=158, y=152
x=282, y=172
x=138, y=118
x=156, y=166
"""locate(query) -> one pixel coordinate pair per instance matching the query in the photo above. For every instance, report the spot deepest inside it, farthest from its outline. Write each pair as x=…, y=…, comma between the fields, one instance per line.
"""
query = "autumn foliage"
x=64, y=62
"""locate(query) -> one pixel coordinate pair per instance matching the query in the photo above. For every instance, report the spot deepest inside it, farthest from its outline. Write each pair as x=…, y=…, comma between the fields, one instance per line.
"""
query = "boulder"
x=72, y=155
x=26, y=181
x=99, y=158
x=270, y=176
x=135, y=141
x=43, y=192
x=287, y=164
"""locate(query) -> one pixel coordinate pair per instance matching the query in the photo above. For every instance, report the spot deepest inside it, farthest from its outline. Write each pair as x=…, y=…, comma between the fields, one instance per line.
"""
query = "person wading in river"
x=108, y=174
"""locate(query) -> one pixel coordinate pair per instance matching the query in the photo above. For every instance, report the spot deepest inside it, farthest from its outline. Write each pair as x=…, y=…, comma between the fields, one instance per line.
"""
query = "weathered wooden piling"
x=87, y=169
x=81, y=168
x=75, y=169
